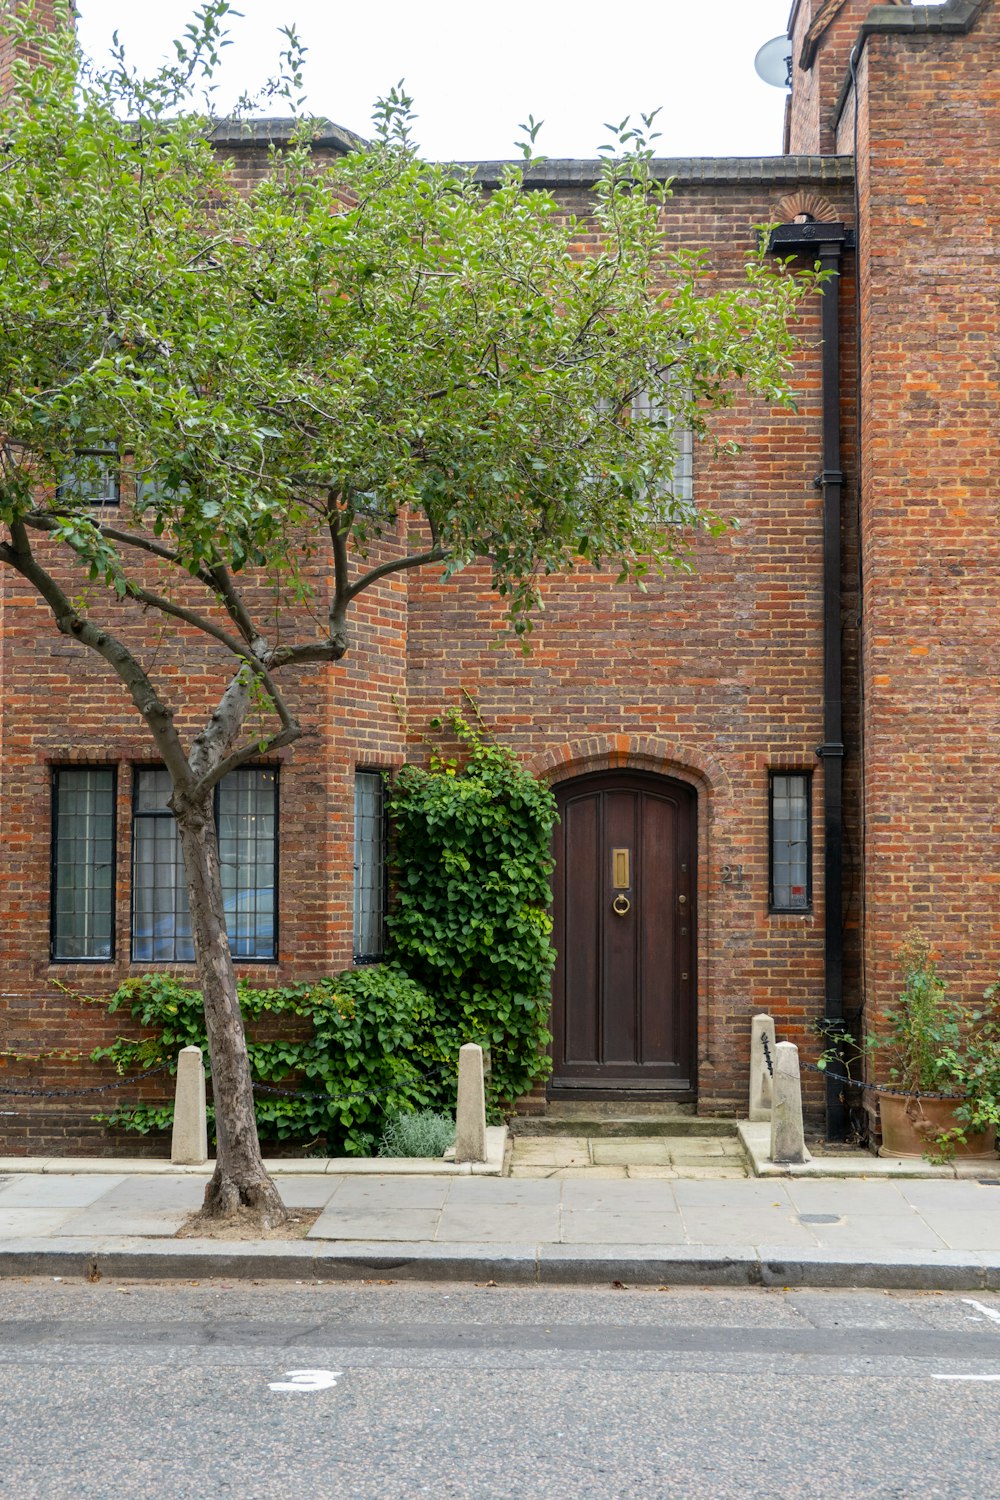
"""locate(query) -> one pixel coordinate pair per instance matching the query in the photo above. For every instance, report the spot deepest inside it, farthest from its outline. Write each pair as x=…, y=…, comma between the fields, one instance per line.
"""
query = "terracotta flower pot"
x=911, y=1126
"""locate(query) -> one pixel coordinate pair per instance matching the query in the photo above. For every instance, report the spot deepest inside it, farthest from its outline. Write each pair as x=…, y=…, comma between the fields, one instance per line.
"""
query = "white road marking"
x=965, y=1377
x=306, y=1380
x=988, y=1312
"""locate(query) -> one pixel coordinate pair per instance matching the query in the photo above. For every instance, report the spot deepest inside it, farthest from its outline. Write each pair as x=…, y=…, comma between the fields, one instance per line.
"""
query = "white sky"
x=477, y=70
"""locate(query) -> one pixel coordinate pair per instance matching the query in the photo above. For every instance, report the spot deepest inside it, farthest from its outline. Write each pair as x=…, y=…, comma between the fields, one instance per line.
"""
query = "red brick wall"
x=49, y=12
x=929, y=183
x=61, y=705
x=715, y=678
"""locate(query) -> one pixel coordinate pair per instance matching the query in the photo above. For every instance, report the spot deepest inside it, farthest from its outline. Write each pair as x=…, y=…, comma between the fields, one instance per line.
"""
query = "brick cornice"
x=698, y=171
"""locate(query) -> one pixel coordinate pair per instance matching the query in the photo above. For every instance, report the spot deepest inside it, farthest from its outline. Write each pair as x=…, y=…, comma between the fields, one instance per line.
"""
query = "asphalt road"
x=149, y=1392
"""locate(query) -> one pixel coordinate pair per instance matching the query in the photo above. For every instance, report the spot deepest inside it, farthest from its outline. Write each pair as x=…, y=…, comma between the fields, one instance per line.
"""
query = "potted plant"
x=943, y=1066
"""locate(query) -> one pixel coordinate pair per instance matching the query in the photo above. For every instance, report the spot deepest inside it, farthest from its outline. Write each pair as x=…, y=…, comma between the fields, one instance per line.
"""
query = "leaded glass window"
x=246, y=809
x=92, y=477
x=83, y=863
x=246, y=813
x=161, y=919
x=791, y=841
x=369, y=866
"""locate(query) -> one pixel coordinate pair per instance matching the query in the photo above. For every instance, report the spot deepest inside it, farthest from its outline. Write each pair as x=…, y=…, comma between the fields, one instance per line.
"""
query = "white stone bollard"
x=788, y=1143
x=470, y=1114
x=189, y=1142
x=761, y=1027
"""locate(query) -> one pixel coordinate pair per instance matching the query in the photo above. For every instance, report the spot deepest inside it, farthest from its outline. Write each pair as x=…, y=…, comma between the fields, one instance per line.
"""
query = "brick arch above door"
x=632, y=752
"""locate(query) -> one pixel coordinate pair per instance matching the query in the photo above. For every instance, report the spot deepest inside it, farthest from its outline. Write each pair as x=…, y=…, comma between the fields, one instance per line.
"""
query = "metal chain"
x=264, y=1088
x=258, y=1088
x=880, y=1088
x=858, y=1083
x=767, y=1053
x=103, y=1088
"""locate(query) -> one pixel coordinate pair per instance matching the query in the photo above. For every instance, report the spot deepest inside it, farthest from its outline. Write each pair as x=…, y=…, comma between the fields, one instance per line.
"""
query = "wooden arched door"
x=624, y=990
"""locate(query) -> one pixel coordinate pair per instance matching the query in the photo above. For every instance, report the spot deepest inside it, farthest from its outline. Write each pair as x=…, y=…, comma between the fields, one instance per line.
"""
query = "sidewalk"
x=918, y=1234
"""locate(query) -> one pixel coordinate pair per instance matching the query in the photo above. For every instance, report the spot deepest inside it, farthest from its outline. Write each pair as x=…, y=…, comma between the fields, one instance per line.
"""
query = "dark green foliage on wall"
x=470, y=920
x=351, y=1051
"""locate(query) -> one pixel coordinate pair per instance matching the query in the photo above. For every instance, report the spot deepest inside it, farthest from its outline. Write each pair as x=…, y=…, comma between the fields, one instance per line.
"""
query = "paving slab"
x=54, y=1192
x=622, y=1153
x=648, y=1229
x=502, y=1222
x=599, y=1174
x=339, y=1222
x=366, y=1193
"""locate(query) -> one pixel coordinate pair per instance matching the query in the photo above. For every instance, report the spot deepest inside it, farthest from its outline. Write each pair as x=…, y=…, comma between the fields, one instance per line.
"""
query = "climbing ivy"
x=469, y=919
x=352, y=1052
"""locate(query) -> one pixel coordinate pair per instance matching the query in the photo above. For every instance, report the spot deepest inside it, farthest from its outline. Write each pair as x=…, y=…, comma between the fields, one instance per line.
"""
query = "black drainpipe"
x=825, y=243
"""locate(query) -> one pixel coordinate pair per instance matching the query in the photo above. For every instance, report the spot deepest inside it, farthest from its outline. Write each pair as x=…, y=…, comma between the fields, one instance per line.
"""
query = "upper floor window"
x=246, y=822
x=643, y=408
x=93, y=477
x=369, y=866
x=791, y=841
x=83, y=863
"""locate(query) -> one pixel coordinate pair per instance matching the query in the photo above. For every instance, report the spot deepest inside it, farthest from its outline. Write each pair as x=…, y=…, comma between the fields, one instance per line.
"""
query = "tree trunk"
x=240, y=1179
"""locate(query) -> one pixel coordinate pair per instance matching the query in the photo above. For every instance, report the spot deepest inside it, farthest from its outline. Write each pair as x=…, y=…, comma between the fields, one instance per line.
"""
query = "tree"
x=293, y=376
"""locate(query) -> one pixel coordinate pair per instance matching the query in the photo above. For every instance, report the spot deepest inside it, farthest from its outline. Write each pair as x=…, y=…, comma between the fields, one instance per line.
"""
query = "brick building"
x=768, y=772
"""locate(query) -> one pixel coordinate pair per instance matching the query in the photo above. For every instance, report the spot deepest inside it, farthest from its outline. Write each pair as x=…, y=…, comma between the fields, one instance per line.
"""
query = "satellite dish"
x=773, y=62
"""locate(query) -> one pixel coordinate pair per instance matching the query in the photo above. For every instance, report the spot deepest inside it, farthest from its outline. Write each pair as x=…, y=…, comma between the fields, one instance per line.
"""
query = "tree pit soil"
x=245, y=1225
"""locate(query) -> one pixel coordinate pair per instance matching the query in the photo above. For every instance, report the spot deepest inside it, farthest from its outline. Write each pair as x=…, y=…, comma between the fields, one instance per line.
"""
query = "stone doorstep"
x=591, y=1124
x=756, y=1138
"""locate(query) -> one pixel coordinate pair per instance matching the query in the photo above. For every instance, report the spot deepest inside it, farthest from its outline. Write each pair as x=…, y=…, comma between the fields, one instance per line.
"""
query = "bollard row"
x=189, y=1140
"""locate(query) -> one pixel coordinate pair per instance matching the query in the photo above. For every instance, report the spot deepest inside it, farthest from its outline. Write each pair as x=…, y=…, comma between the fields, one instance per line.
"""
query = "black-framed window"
x=644, y=408
x=790, y=831
x=246, y=813
x=83, y=864
x=93, y=477
x=370, y=866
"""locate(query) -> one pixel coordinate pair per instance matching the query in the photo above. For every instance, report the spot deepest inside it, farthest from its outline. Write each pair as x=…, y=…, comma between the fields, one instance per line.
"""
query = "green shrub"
x=370, y=1029
x=469, y=919
x=422, y=1134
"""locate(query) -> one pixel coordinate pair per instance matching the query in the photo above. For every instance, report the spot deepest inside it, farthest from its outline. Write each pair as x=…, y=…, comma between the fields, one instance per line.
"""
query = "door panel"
x=624, y=987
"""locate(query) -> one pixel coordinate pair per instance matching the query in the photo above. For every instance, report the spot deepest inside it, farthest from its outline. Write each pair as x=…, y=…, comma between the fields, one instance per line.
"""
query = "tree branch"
x=396, y=565
x=40, y=521
x=155, y=712
x=252, y=750
x=190, y=617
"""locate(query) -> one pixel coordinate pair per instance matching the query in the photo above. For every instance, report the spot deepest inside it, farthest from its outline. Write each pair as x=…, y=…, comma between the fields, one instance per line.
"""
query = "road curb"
x=520, y=1265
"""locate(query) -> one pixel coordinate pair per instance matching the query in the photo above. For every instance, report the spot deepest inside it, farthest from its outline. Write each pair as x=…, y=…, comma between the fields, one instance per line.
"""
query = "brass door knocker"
x=621, y=904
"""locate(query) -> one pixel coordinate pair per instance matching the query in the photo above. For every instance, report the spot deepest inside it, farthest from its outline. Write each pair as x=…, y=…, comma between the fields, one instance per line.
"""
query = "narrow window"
x=646, y=409
x=161, y=920
x=246, y=813
x=92, y=477
x=83, y=863
x=369, y=866
x=791, y=841
x=246, y=821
